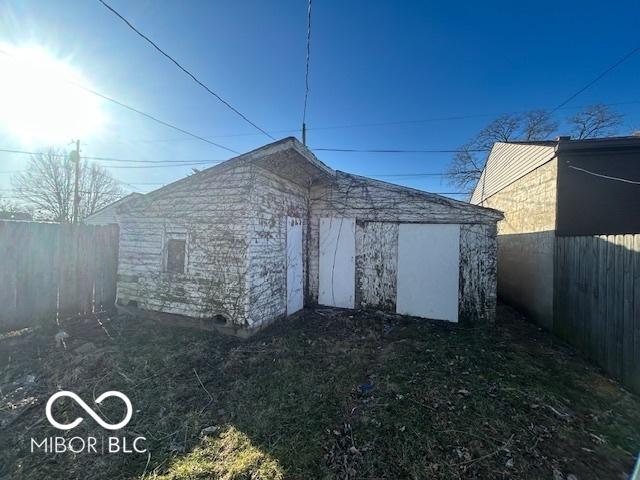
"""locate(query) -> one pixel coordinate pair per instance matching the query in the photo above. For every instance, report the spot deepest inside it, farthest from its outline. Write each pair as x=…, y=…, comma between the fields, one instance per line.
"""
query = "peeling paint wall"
x=478, y=273
x=210, y=211
x=273, y=199
x=234, y=223
x=378, y=208
x=376, y=264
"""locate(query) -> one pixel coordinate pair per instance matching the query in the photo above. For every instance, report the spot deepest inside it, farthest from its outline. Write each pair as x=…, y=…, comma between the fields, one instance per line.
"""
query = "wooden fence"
x=50, y=271
x=597, y=301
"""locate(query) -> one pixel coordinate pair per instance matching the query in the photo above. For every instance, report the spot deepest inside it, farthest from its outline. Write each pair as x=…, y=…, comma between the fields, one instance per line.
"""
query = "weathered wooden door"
x=337, y=262
x=295, y=285
x=428, y=271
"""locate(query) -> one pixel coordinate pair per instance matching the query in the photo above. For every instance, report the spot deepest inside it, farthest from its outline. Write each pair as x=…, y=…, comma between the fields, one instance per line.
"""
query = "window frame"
x=175, y=236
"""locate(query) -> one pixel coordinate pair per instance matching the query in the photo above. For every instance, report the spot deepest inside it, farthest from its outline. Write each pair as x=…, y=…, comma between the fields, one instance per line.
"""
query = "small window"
x=176, y=253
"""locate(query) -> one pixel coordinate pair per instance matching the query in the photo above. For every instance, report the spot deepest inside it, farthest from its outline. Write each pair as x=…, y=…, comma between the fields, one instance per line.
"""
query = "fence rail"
x=55, y=270
x=597, y=301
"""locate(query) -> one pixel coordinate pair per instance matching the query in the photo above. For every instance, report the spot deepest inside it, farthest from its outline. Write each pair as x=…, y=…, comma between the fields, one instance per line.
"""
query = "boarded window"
x=176, y=250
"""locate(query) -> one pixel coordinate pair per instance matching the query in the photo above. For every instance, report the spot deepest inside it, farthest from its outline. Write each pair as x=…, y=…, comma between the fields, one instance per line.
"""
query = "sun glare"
x=39, y=101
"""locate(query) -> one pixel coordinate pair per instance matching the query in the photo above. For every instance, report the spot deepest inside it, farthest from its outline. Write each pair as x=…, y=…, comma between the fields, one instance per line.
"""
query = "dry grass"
x=446, y=402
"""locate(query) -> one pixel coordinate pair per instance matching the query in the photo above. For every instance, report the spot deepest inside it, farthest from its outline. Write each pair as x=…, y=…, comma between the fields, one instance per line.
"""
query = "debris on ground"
x=342, y=395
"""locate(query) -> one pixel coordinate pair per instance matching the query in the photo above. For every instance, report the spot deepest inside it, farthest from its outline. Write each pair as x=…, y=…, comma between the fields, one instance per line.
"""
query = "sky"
x=372, y=63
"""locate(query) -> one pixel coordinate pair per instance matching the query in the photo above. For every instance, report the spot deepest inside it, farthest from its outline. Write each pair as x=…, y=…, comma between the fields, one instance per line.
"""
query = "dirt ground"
x=326, y=394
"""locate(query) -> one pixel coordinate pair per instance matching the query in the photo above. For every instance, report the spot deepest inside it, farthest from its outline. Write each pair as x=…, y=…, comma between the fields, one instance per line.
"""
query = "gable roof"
x=428, y=196
x=263, y=156
x=509, y=161
x=254, y=156
x=107, y=214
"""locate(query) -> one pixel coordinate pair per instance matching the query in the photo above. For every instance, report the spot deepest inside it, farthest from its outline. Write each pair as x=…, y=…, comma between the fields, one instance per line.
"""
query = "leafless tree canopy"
x=47, y=184
x=466, y=166
x=595, y=121
x=538, y=125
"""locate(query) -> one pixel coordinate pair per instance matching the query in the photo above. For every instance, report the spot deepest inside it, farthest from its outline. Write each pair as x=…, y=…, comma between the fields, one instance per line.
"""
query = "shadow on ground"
x=327, y=394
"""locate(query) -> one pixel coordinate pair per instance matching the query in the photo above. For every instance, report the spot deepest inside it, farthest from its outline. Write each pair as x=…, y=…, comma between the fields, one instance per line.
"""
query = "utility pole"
x=76, y=193
x=304, y=133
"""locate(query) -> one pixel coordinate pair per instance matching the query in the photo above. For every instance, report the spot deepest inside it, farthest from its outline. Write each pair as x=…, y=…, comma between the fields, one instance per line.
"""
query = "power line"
x=139, y=112
x=383, y=124
x=112, y=159
x=430, y=174
x=608, y=177
x=589, y=84
x=355, y=150
x=174, y=61
x=306, y=75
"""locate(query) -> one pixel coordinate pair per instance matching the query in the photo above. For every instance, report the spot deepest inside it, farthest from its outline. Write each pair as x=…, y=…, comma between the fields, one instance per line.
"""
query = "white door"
x=295, y=288
x=337, y=262
x=428, y=270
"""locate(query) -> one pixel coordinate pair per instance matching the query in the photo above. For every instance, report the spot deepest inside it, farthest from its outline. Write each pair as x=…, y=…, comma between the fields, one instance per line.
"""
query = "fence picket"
x=598, y=310
x=50, y=269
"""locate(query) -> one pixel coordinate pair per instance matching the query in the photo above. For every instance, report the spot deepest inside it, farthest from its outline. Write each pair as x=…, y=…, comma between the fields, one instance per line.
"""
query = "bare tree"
x=502, y=129
x=47, y=184
x=467, y=164
x=538, y=125
x=465, y=167
x=595, y=121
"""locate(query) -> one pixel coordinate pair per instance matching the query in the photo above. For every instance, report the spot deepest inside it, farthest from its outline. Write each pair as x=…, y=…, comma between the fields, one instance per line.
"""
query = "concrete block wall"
x=528, y=204
x=526, y=242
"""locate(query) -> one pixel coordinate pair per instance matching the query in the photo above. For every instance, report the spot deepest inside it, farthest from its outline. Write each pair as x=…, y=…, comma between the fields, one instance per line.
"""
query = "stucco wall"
x=379, y=208
x=526, y=239
x=208, y=210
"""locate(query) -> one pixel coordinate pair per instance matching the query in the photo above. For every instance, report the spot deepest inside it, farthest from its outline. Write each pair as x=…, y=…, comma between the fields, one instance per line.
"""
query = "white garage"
x=390, y=248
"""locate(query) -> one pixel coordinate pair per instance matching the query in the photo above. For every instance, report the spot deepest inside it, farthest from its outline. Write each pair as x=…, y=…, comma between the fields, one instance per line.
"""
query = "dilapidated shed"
x=260, y=236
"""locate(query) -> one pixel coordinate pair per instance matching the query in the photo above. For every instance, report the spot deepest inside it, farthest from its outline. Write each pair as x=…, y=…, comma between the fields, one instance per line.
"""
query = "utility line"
x=177, y=64
x=383, y=124
x=111, y=159
x=607, y=177
x=355, y=150
x=139, y=112
x=306, y=76
x=592, y=82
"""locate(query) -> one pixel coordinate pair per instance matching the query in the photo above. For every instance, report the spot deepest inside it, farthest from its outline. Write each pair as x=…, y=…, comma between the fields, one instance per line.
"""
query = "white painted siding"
x=272, y=200
x=372, y=202
x=211, y=210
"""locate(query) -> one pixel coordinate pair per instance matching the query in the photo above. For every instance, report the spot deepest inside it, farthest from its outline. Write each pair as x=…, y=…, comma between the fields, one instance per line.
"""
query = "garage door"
x=428, y=270
x=337, y=262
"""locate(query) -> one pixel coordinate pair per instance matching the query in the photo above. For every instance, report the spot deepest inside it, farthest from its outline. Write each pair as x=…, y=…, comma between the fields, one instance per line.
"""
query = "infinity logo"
x=86, y=408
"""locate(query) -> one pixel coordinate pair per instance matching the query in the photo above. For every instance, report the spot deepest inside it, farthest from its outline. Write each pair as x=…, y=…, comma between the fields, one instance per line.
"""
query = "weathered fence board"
x=597, y=301
x=51, y=270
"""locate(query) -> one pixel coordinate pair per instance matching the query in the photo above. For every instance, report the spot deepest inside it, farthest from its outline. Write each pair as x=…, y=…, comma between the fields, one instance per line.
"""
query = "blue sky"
x=371, y=62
